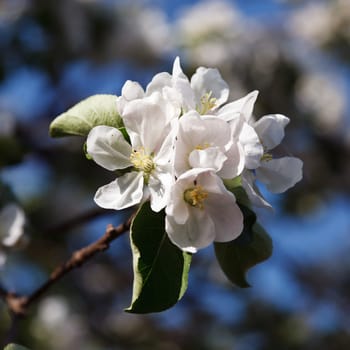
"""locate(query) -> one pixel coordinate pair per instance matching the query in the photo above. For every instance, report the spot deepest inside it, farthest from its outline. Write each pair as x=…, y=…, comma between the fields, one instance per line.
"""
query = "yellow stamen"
x=202, y=146
x=207, y=103
x=266, y=157
x=196, y=196
x=142, y=161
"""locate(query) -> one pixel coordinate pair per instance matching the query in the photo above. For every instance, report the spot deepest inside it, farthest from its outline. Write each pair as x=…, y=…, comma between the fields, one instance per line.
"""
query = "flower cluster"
x=182, y=142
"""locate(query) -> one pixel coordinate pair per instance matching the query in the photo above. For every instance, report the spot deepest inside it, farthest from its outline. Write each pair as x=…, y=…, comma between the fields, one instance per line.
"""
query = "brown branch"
x=18, y=304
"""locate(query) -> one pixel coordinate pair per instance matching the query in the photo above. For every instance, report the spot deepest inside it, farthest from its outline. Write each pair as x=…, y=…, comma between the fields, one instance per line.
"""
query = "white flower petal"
x=234, y=164
x=108, y=148
x=178, y=82
x=198, y=231
x=241, y=107
x=159, y=186
x=12, y=221
x=280, y=174
x=158, y=82
x=165, y=156
x=270, y=129
x=181, y=84
x=176, y=208
x=221, y=207
x=211, y=158
x=227, y=216
x=188, y=101
x=174, y=97
x=146, y=121
x=256, y=199
x=132, y=90
x=121, y=193
x=253, y=150
x=198, y=132
x=177, y=72
x=209, y=80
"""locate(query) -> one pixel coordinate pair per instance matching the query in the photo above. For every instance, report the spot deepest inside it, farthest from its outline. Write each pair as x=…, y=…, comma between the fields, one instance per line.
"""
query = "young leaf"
x=15, y=347
x=253, y=246
x=235, y=186
x=160, y=268
x=82, y=117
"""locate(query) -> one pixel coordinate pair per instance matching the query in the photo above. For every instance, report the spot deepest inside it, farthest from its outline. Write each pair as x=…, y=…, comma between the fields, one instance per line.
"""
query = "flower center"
x=266, y=157
x=202, y=146
x=207, y=103
x=196, y=196
x=142, y=161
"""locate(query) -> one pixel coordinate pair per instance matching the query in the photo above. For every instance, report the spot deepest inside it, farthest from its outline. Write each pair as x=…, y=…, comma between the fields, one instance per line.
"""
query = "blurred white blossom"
x=320, y=23
x=313, y=22
x=323, y=98
x=204, y=30
x=142, y=30
x=12, y=222
x=53, y=311
x=59, y=325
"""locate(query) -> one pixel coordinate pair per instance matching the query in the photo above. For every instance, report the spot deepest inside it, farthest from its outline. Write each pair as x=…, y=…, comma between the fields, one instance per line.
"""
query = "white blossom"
x=201, y=210
x=257, y=138
x=206, y=142
x=205, y=92
x=184, y=140
x=147, y=160
x=277, y=174
x=239, y=115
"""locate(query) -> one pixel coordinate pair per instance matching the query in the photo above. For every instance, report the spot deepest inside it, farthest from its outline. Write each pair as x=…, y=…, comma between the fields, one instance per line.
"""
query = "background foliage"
x=296, y=53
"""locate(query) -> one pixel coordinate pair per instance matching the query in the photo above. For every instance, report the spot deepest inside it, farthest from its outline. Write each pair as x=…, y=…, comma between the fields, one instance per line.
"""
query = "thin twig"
x=18, y=304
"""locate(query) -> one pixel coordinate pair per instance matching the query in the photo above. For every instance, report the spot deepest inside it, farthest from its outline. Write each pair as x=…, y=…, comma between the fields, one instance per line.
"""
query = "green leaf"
x=87, y=155
x=253, y=246
x=160, y=268
x=235, y=186
x=82, y=117
x=15, y=347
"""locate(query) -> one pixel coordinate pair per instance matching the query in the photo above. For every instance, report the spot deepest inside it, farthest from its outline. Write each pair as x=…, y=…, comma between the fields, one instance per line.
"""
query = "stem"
x=18, y=304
